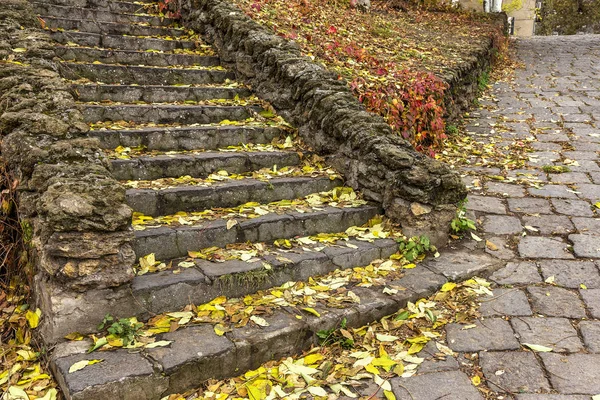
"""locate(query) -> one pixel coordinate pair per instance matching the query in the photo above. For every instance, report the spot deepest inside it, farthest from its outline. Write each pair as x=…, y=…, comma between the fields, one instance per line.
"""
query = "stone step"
x=199, y=165
x=227, y=194
x=187, y=138
x=132, y=57
x=167, y=114
x=129, y=74
x=164, y=291
x=53, y=10
x=168, y=242
x=90, y=26
x=196, y=353
x=157, y=93
x=107, y=5
x=121, y=41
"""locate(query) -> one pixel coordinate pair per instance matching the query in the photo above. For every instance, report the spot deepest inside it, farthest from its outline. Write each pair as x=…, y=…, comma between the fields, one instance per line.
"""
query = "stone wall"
x=569, y=17
x=76, y=212
x=417, y=191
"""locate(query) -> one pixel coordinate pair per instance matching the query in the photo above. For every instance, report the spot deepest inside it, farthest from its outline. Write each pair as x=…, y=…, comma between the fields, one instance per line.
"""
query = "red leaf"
x=332, y=29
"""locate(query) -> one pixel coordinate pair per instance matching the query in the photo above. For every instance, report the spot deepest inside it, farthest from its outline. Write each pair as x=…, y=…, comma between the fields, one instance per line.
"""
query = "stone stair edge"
x=173, y=242
x=186, y=362
x=150, y=201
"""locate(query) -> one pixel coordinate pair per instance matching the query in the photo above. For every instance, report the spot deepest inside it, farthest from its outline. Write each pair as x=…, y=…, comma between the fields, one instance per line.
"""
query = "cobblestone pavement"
x=547, y=228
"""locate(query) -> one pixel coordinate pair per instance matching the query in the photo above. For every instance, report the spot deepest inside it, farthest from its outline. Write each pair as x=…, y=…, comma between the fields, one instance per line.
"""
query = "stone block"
x=513, y=372
x=556, y=333
x=489, y=334
x=553, y=301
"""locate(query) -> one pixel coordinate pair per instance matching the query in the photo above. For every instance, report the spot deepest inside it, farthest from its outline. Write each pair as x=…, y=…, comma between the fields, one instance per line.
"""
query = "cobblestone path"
x=545, y=225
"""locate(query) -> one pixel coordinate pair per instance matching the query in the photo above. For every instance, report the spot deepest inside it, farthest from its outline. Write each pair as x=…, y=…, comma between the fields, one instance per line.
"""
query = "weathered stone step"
x=228, y=194
x=108, y=5
x=164, y=291
x=199, y=165
x=174, y=242
x=52, y=10
x=166, y=114
x=157, y=93
x=120, y=41
x=187, y=138
x=89, y=26
x=129, y=74
x=133, y=57
x=196, y=354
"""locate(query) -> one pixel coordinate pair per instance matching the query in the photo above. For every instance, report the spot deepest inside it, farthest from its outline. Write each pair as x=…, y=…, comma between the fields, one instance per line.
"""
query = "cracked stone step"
x=121, y=41
x=196, y=353
x=157, y=93
x=128, y=74
x=174, y=242
x=53, y=10
x=108, y=5
x=228, y=194
x=187, y=138
x=199, y=164
x=133, y=57
x=164, y=291
x=90, y=26
x=168, y=114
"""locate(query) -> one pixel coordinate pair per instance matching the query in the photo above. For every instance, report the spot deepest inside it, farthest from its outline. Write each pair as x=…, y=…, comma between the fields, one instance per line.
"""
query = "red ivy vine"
x=388, y=57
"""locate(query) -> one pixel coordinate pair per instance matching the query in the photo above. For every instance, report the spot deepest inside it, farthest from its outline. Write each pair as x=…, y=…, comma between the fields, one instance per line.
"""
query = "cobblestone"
x=491, y=334
x=573, y=374
x=572, y=274
x=513, y=371
x=591, y=298
x=553, y=301
x=590, y=330
x=543, y=247
x=511, y=302
x=556, y=333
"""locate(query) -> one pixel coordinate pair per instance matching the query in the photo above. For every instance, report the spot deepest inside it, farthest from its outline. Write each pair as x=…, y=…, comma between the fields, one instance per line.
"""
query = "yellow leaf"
x=259, y=321
x=79, y=365
x=19, y=50
x=415, y=348
x=74, y=336
x=372, y=369
x=583, y=286
x=231, y=223
x=33, y=318
x=160, y=343
x=538, y=347
x=219, y=329
x=312, y=311
x=389, y=395
x=255, y=393
x=409, y=266
x=399, y=369
x=448, y=286
x=312, y=358
x=491, y=245
x=476, y=380
x=384, y=362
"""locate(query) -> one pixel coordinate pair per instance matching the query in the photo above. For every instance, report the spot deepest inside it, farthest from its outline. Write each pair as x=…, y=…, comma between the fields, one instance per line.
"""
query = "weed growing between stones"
x=461, y=223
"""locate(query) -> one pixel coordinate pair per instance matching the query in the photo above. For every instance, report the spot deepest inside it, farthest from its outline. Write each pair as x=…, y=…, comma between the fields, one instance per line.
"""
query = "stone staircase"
x=206, y=164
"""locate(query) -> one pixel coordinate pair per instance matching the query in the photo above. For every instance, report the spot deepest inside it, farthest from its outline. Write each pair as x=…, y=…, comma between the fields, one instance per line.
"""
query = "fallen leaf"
x=79, y=365
x=537, y=347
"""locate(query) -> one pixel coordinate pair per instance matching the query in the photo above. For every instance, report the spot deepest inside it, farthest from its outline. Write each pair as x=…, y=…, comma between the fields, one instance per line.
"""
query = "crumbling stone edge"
x=74, y=209
x=417, y=191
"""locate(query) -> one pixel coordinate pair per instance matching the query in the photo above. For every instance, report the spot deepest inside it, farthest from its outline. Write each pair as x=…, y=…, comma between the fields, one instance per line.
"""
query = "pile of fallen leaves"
x=348, y=357
x=391, y=59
